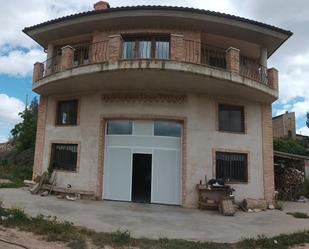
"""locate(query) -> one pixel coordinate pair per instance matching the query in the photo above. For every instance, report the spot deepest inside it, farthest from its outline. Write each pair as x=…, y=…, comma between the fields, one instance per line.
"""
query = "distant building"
x=284, y=125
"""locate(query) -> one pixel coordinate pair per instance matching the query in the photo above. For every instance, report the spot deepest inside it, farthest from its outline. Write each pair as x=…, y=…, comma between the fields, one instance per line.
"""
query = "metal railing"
x=201, y=53
x=90, y=53
x=252, y=69
x=52, y=65
x=194, y=52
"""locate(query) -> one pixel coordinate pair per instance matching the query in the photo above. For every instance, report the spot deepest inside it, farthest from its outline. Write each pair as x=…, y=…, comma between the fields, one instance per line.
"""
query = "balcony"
x=177, y=53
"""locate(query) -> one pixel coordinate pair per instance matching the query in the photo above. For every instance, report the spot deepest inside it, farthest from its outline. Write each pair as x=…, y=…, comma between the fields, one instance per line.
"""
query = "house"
x=142, y=103
x=284, y=125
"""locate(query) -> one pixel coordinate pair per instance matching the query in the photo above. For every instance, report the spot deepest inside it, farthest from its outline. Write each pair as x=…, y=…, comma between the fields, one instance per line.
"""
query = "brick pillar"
x=177, y=47
x=114, y=48
x=38, y=70
x=40, y=135
x=272, y=74
x=67, y=54
x=232, y=60
x=268, y=156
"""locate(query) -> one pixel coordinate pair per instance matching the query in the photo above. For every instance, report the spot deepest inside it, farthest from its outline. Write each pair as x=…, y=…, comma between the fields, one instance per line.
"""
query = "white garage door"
x=141, y=155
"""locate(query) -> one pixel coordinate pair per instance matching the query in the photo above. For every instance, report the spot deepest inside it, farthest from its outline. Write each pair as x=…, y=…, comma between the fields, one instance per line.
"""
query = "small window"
x=64, y=157
x=146, y=47
x=231, y=118
x=67, y=112
x=168, y=129
x=119, y=127
x=232, y=167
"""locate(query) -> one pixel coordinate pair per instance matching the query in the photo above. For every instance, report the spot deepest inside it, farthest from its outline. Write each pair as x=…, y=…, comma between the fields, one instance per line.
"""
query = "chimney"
x=101, y=5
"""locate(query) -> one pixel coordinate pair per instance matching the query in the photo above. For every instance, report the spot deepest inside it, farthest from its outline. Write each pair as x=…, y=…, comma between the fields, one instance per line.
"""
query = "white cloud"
x=20, y=63
x=9, y=109
x=303, y=131
x=3, y=139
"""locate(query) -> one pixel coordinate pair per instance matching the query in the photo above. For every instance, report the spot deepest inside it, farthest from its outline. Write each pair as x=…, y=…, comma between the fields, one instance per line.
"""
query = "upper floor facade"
x=157, y=48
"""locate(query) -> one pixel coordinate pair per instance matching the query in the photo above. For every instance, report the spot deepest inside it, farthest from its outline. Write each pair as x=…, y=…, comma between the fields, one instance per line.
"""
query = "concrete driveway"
x=158, y=221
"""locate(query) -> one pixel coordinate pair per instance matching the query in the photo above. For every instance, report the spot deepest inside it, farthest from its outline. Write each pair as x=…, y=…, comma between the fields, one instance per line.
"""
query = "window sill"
x=66, y=125
x=66, y=171
x=236, y=182
x=234, y=132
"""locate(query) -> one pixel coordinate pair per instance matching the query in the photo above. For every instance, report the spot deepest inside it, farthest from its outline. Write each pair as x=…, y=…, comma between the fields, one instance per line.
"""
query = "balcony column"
x=177, y=47
x=232, y=60
x=114, y=48
x=37, y=71
x=263, y=57
x=67, y=54
x=273, y=81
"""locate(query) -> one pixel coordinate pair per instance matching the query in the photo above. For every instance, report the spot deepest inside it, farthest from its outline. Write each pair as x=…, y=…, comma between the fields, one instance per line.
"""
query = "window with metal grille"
x=149, y=47
x=67, y=112
x=64, y=156
x=232, y=167
x=231, y=118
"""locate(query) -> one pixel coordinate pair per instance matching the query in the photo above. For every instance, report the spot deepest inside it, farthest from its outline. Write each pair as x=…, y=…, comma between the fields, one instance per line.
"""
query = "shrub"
x=298, y=215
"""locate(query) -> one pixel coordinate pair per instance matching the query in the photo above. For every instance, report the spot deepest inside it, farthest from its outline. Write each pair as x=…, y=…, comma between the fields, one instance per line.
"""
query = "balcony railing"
x=253, y=70
x=187, y=51
x=52, y=65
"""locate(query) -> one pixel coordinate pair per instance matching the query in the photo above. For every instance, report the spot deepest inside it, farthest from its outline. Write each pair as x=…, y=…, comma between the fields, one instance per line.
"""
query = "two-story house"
x=141, y=103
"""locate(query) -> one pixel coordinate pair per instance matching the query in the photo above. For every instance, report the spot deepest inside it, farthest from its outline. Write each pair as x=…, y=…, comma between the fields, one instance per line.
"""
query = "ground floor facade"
x=155, y=147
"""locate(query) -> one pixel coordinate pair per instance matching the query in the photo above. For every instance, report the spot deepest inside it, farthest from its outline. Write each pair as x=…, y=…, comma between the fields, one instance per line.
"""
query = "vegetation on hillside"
x=289, y=145
x=16, y=163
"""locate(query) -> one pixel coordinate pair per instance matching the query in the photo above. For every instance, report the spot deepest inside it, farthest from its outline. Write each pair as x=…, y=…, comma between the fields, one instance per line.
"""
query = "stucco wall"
x=202, y=139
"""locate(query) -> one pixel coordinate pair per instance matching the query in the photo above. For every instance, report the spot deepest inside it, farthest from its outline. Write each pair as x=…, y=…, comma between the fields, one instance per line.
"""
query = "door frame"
x=101, y=148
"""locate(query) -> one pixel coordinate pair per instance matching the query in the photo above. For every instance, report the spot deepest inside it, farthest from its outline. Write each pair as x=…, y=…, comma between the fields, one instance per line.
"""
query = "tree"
x=307, y=122
x=24, y=133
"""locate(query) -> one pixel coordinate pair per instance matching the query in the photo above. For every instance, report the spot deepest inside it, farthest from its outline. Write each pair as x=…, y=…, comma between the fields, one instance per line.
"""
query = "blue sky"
x=18, y=52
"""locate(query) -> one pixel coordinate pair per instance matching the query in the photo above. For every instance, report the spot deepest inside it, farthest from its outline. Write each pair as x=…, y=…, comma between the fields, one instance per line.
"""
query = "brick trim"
x=268, y=155
x=40, y=137
x=100, y=170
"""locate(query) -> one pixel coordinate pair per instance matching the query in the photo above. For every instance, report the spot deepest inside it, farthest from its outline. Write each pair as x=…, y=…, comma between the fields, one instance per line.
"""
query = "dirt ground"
x=31, y=241
x=27, y=239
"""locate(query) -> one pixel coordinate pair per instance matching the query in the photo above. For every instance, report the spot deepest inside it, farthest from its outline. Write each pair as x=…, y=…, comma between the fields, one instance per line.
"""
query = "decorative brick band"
x=268, y=156
x=40, y=136
x=144, y=97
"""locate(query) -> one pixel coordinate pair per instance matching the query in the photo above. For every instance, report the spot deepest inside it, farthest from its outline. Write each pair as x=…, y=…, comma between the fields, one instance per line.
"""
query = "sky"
x=18, y=52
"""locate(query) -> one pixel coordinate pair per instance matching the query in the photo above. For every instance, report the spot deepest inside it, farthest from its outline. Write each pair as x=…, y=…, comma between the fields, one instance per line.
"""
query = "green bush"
x=289, y=145
x=298, y=215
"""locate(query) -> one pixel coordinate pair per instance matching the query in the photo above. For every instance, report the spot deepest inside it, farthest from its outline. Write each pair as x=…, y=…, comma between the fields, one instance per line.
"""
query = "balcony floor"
x=154, y=76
